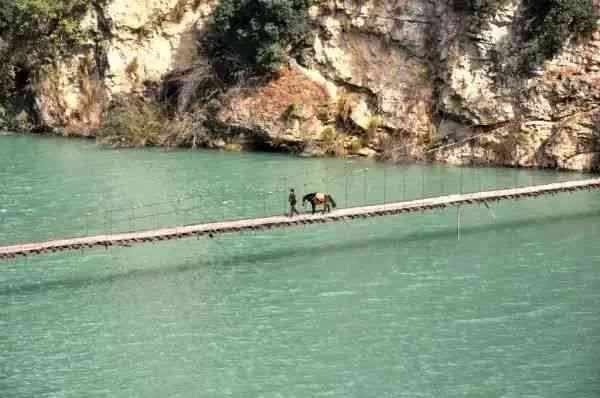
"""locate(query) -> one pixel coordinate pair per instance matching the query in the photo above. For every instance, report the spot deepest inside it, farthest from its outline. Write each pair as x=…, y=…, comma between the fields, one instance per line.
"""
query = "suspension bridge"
x=267, y=223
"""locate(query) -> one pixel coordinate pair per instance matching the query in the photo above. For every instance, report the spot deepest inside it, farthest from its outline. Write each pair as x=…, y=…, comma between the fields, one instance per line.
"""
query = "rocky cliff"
x=401, y=78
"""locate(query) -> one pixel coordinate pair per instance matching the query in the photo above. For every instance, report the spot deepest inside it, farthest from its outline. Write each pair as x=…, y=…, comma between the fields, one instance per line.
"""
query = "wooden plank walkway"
x=258, y=224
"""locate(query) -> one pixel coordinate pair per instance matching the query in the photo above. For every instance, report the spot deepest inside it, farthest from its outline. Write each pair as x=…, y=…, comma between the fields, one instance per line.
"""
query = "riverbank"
x=449, y=153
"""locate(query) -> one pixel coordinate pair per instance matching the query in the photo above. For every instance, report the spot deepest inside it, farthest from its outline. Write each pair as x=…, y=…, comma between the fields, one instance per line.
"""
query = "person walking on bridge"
x=292, y=201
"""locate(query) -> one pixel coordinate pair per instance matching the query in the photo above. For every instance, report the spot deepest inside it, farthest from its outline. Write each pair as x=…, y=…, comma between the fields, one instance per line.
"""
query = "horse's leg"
x=313, y=207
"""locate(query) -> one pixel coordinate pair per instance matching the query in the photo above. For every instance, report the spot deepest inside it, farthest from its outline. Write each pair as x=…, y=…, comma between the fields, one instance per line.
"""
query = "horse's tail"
x=332, y=201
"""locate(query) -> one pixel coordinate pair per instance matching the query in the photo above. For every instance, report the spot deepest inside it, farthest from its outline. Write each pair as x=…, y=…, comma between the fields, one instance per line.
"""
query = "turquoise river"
x=388, y=307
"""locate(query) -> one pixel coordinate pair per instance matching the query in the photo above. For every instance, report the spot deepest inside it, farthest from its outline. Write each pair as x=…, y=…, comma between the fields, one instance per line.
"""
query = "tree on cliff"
x=255, y=36
x=36, y=32
x=546, y=25
x=551, y=23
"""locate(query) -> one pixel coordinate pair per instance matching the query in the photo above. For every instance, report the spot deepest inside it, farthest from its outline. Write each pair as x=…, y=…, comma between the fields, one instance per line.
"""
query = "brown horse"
x=319, y=198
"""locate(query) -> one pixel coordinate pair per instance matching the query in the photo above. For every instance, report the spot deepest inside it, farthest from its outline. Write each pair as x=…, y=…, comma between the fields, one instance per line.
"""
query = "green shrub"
x=546, y=26
x=551, y=23
x=36, y=32
x=252, y=36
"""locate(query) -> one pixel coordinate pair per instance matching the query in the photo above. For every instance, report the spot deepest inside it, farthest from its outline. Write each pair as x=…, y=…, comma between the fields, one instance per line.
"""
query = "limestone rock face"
x=546, y=119
x=138, y=41
x=367, y=152
x=150, y=38
x=71, y=98
x=379, y=52
x=290, y=108
x=402, y=71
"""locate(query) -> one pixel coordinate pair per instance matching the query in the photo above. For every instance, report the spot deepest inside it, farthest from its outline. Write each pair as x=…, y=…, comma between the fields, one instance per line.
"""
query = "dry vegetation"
x=373, y=126
x=133, y=122
x=332, y=142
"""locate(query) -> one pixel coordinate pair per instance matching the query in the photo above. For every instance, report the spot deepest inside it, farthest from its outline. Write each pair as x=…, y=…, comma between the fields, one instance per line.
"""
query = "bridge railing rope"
x=354, y=185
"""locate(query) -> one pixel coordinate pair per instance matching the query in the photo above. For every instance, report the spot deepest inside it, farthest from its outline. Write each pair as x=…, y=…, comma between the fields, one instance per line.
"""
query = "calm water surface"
x=388, y=307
